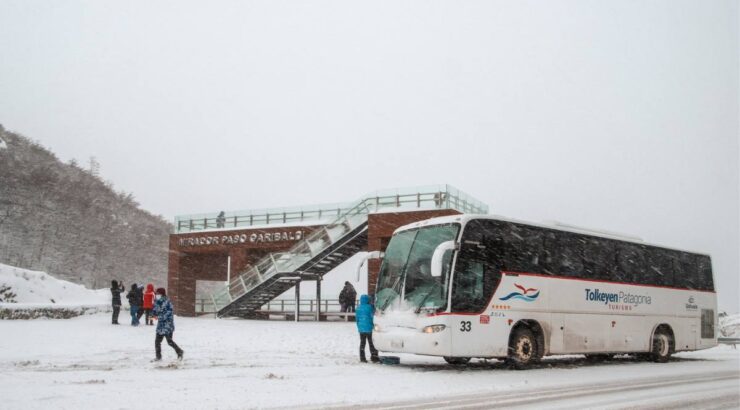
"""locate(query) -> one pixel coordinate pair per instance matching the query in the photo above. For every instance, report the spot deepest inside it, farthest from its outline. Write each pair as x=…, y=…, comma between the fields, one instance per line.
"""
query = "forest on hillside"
x=64, y=219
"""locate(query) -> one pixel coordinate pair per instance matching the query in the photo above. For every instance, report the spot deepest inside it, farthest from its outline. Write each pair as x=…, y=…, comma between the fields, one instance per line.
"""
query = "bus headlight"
x=433, y=329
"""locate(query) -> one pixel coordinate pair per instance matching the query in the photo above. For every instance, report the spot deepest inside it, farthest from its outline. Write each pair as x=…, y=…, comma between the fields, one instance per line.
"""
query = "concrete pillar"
x=318, y=299
x=297, y=300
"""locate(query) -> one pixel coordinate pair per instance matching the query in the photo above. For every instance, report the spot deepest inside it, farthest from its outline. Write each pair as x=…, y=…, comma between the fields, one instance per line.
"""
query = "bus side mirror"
x=438, y=256
x=368, y=256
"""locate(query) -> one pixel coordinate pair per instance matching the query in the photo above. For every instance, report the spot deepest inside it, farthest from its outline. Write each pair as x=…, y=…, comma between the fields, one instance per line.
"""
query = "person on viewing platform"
x=347, y=297
x=116, y=289
x=165, y=324
x=364, y=318
x=148, y=304
x=220, y=220
x=133, y=301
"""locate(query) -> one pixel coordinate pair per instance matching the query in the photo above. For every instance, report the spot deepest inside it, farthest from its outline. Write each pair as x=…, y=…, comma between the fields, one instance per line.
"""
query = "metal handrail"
x=448, y=196
x=206, y=305
x=302, y=251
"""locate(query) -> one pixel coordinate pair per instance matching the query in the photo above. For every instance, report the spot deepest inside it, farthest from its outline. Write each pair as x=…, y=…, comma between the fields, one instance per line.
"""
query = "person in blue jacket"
x=165, y=324
x=364, y=319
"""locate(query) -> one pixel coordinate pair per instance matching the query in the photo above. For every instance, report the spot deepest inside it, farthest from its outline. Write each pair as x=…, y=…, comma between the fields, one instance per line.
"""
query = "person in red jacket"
x=148, y=303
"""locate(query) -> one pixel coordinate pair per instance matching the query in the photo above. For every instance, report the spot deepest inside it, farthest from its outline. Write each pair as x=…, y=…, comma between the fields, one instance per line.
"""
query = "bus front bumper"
x=410, y=340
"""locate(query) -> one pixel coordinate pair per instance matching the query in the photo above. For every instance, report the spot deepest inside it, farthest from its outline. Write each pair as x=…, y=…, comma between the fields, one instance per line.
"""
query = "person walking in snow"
x=364, y=319
x=148, y=304
x=165, y=325
x=133, y=302
x=116, y=289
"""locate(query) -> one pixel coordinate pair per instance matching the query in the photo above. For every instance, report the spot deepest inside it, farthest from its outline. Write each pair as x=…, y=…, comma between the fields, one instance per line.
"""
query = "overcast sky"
x=619, y=115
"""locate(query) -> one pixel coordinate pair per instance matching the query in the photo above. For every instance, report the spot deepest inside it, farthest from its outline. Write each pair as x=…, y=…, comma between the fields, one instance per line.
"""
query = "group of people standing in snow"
x=154, y=305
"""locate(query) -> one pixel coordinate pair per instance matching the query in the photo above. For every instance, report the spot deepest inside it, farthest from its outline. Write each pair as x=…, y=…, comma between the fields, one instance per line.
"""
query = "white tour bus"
x=481, y=286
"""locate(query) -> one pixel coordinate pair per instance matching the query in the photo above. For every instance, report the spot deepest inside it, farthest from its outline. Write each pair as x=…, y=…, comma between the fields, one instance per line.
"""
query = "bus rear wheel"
x=662, y=346
x=457, y=360
x=523, y=349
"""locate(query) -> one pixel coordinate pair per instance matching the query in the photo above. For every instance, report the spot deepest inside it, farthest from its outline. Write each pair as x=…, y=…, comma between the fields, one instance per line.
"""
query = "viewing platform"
x=400, y=199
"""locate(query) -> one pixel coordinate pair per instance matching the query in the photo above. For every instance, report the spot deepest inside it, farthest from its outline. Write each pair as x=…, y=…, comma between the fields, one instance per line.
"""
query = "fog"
x=610, y=115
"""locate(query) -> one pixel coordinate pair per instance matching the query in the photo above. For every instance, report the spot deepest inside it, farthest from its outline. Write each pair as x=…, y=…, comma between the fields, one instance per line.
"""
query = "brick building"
x=255, y=256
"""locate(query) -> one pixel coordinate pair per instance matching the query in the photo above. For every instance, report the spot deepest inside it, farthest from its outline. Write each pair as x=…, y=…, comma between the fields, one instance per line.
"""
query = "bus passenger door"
x=475, y=331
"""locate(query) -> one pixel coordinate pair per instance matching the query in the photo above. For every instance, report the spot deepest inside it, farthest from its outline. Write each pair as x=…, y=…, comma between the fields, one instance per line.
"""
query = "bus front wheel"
x=457, y=360
x=523, y=349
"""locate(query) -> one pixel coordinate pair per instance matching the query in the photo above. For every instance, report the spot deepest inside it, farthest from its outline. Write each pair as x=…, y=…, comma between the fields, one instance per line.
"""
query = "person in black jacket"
x=133, y=301
x=116, y=289
x=347, y=297
x=140, y=299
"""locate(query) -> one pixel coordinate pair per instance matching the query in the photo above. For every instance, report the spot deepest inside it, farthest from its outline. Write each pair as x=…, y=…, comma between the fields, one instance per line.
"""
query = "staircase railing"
x=289, y=261
x=354, y=215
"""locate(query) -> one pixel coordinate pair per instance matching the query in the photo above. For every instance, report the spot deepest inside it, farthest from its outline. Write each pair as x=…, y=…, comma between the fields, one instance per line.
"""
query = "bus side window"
x=549, y=260
x=704, y=265
x=571, y=255
x=688, y=271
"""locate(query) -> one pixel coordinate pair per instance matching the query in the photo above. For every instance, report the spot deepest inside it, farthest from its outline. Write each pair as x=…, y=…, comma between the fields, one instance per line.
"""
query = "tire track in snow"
x=549, y=397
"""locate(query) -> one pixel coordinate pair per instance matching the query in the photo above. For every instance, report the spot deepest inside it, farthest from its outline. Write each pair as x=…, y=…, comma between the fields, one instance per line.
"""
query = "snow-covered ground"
x=40, y=288
x=85, y=362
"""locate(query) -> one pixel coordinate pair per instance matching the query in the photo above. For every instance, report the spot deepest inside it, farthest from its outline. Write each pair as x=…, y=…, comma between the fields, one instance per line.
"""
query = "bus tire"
x=523, y=348
x=662, y=346
x=457, y=360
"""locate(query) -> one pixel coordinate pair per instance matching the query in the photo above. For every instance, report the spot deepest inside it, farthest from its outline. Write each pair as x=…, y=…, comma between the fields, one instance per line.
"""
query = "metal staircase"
x=312, y=257
x=326, y=248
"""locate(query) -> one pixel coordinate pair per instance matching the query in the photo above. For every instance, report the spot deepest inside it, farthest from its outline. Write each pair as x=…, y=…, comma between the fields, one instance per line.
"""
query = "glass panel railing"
x=259, y=217
x=424, y=197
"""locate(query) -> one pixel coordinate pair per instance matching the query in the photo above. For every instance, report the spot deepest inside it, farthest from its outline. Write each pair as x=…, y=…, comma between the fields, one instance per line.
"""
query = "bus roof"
x=465, y=218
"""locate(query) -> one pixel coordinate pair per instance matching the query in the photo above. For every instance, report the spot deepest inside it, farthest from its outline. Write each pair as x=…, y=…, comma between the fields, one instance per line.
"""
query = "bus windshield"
x=405, y=281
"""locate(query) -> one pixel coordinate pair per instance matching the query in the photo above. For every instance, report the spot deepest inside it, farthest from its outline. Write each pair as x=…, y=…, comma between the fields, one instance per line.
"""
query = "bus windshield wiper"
x=424, y=299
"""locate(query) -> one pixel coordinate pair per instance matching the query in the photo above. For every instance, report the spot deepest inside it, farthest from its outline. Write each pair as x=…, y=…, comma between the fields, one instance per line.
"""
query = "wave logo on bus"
x=523, y=295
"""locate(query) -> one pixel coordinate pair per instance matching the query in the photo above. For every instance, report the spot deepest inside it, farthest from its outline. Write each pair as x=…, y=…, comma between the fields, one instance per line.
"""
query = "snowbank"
x=729, y=326
x=38, y=294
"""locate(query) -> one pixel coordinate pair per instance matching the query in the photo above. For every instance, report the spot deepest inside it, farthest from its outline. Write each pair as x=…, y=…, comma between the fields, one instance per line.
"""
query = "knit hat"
x=161, y=291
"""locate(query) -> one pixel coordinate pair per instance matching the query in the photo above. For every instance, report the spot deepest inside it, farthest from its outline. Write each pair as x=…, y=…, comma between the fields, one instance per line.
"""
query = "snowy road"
x=233, y=364
x=702, y=391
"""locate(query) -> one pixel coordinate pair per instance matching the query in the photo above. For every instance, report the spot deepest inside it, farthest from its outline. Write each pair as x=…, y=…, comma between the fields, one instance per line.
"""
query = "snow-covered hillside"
x=40, y=288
